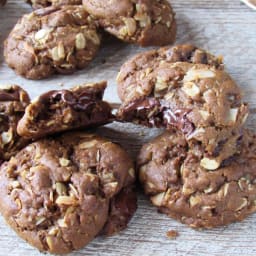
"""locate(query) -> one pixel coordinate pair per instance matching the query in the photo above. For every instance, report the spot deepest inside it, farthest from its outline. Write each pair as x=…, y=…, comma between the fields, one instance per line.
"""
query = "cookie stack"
x=63, y=38
x=200, y=171
x=61, y=191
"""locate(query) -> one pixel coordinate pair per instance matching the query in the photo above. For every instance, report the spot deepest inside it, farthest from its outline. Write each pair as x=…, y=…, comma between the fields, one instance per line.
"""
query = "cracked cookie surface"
x=181, y=183
x=147, y=22
x=52, y=40
x=13, y=101
x=201, y=101
x=61, y=110
x=58, y=194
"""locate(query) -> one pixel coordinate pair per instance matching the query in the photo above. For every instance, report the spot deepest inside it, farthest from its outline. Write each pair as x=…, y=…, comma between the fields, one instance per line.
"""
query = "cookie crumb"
x=172, y=234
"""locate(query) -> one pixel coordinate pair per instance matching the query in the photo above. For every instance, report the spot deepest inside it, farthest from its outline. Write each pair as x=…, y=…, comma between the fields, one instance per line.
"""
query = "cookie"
x=13, y=101
x=58, y=194
x=148, y=22
x=180, y=183
x=134, y=69
x=61, y=110
x=199, y=100
x=52, y=40
x=36, y=4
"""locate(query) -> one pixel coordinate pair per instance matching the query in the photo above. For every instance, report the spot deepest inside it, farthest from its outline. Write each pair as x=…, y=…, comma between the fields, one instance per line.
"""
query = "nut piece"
x=41, y=35
x=66, y=200
x=205, y=114
x=194, y=200
x=130, y=25
x=60, y=188
x=160, y=84
x=40, y=220
x=158, y=199
x=58, y=52
x=195, y=74
x=243, y=204
x=88, y=144
x=80, y=41
x=7, y=137
x=49, y=242
x=131, y=172
x=64, y=162
x=209, y=164
x=191, y=89
x=232, y=115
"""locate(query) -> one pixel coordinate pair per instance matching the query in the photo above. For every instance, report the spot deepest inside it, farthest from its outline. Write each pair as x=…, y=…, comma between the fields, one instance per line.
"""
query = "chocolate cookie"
x=36, y=4
x=147, y=22
x=135, y=69
x=197, y=99
x=179, y=181
x=52, y=40
x=59, y=194
x=60, y=110
x=13, y=101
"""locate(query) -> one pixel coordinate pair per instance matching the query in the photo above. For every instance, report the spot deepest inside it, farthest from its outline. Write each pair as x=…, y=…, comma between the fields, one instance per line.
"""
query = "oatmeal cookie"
x=199, y=100
x=147, y=22
x=52, y=40
x=180, y=181
x=61, y=110
x=58, y=194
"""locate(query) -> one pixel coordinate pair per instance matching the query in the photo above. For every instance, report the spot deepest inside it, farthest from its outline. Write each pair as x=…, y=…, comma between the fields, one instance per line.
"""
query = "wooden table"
x=222, y=26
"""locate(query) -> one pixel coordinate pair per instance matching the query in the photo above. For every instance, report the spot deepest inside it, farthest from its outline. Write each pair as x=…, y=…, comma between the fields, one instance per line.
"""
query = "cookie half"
x=13, y=101
x=181, y=183
x=61, y=110
x=201, y=101
x=148, y=22
x=59, y=194
x=52, y=40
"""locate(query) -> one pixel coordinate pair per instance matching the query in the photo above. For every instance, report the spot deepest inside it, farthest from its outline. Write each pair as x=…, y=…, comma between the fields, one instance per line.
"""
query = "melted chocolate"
x=155, y=112
x=80, y=102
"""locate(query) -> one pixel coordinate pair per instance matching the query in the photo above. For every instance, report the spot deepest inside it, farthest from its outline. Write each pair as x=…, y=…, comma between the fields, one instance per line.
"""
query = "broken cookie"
x=13, y=101
x=59, y=194
x=185, y=185
x=148, y=22
x=61, y=110
x=52, y=40
x=201, y=101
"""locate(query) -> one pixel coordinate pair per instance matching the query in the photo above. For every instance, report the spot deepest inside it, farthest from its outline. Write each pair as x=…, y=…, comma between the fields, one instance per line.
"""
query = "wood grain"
x=222, y=26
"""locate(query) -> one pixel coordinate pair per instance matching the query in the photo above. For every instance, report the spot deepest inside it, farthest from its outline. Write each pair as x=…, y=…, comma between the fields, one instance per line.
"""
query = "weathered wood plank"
x=222, y=26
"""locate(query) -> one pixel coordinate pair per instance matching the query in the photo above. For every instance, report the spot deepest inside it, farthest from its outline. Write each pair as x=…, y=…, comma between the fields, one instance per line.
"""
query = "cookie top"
x=56, y=194
x=180, y=181
x=13, y=101
x=199, y=100
x=61, y=110
x=135, y=69
x=36, y=4
x=52, y=40
x=147, y=22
